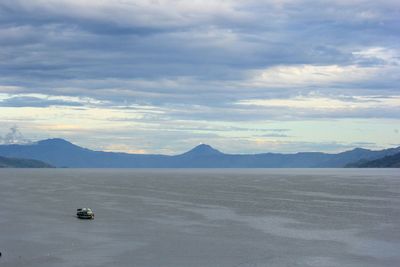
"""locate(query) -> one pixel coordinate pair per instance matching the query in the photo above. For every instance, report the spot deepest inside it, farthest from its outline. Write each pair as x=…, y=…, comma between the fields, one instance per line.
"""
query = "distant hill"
x=392, y=161
x=61, y=153
x=22, y=163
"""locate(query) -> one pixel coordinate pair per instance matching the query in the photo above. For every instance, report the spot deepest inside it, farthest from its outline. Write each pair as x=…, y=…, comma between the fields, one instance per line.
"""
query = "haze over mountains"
x=61, y=153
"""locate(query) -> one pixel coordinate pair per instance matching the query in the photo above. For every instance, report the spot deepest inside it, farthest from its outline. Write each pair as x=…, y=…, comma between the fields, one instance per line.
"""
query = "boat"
x=85, y=213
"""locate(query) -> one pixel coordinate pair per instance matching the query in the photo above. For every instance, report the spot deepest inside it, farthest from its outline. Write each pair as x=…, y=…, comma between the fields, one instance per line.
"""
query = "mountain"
x=22, y=163
x=61, y=153
x=392, y=161
x=203, y=150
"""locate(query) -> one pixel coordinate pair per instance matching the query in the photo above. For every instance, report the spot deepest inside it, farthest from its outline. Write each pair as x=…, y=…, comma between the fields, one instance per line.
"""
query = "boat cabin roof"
x=84, y=209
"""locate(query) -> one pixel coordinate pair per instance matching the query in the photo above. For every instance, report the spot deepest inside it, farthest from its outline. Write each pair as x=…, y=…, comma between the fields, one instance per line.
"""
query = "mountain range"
x=22, y=163
x=392, y=161
x=61, y=153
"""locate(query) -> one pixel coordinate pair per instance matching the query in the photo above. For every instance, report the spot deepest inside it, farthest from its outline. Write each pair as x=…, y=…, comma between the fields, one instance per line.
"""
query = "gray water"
x=202, y=218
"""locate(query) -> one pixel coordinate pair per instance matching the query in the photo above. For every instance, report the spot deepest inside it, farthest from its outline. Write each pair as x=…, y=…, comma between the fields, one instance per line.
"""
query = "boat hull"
x=85, y=217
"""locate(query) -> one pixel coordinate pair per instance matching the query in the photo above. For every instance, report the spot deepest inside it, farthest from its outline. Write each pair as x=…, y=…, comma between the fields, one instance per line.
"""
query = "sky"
x=162, y=76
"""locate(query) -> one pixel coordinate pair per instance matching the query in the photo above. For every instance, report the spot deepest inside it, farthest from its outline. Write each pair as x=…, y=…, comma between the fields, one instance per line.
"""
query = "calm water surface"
x=201, y=218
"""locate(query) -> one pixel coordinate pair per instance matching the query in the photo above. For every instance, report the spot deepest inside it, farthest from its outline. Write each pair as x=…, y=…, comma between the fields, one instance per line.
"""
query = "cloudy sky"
x=161, y=76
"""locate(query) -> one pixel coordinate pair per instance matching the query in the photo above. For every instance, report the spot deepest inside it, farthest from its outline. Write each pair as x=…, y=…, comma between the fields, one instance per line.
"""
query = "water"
x=216, y=218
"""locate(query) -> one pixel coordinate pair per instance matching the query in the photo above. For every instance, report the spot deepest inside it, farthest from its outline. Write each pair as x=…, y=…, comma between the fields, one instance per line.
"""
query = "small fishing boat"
x=85, y=213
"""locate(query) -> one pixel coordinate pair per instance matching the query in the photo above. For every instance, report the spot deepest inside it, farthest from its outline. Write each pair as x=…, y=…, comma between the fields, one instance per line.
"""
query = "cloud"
x=149, y=62
x=310, y=75
x=26, y=101
x=14, y=136
x=277, y=135
x=323, y=103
